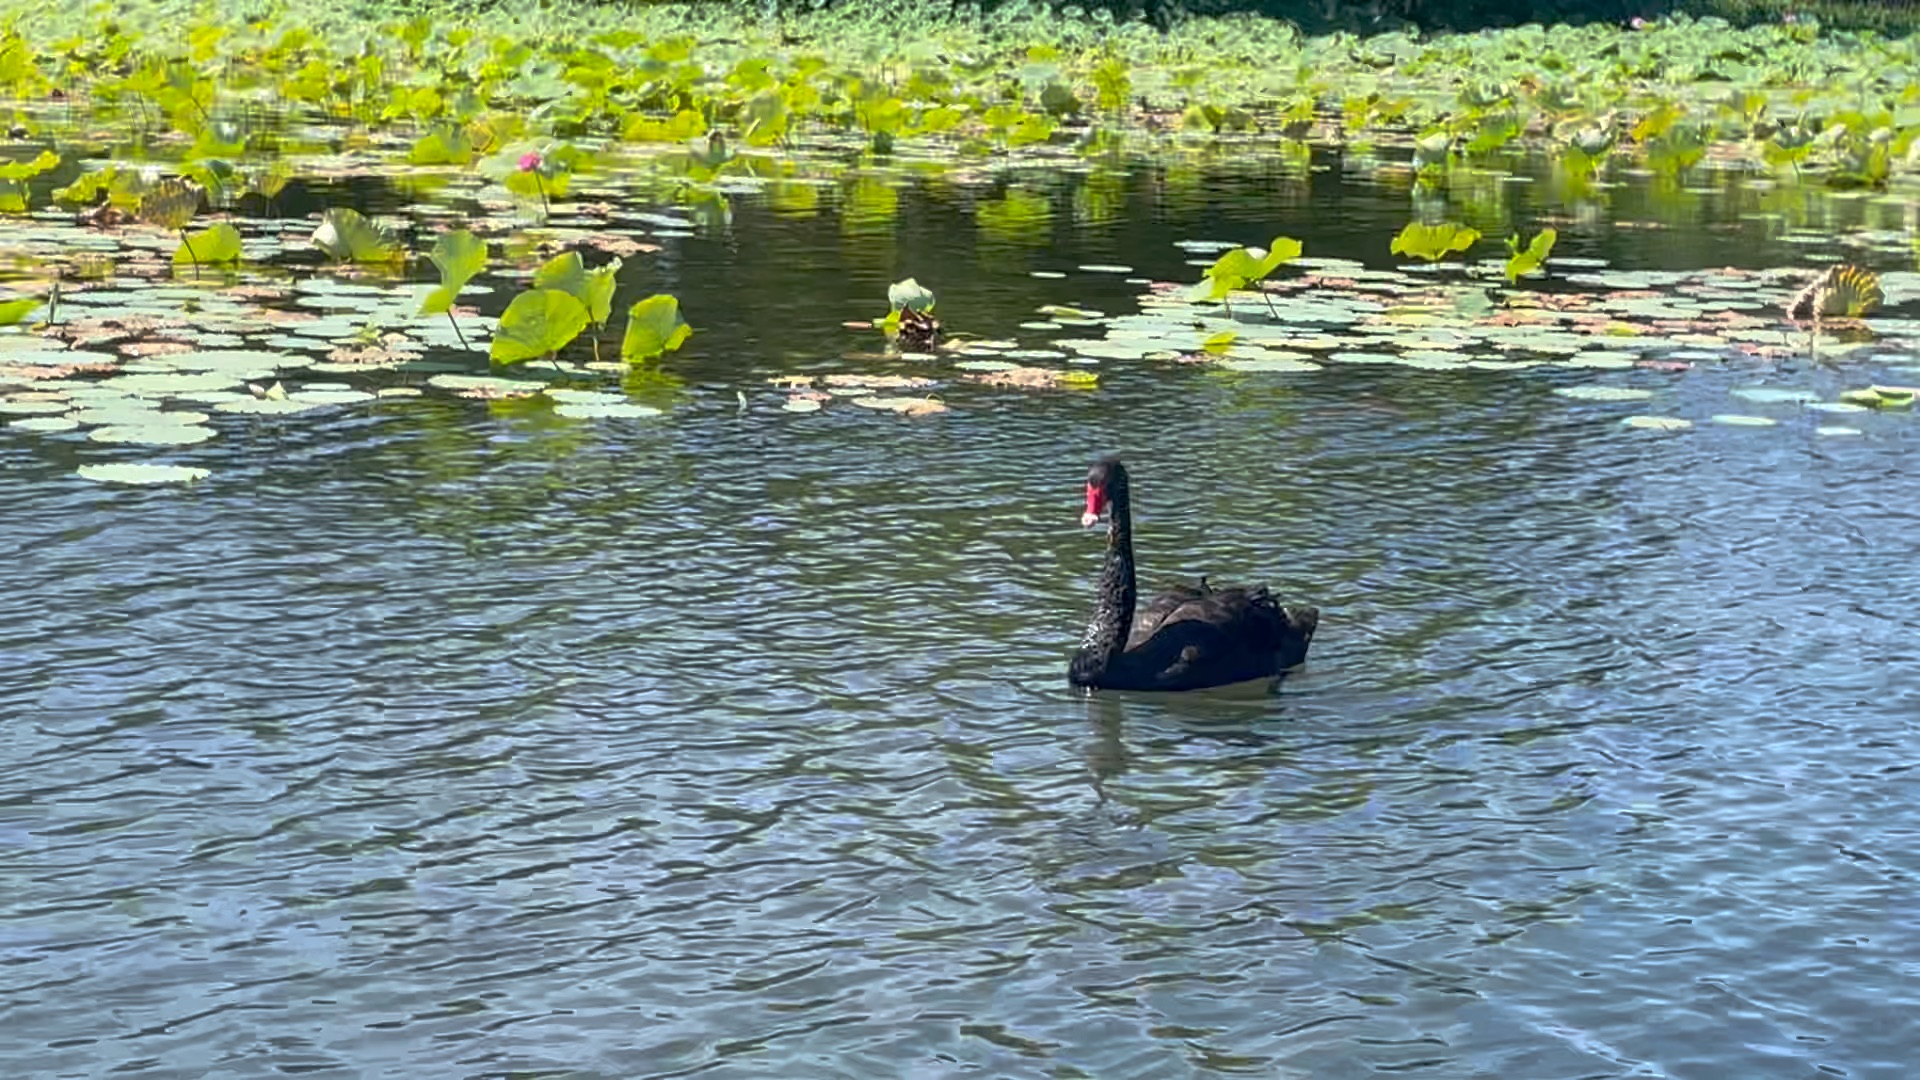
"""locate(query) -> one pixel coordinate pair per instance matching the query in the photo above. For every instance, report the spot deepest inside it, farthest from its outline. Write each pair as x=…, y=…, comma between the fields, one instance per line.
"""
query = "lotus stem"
x=188, y=244
x=541, y=186
x=451, y=321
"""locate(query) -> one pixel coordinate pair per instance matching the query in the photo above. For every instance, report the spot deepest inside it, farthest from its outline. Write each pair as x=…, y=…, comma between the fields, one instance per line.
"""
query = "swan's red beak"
x=1096, y=502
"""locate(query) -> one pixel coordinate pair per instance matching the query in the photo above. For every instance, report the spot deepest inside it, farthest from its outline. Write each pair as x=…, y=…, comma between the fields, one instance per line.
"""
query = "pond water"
x=455, y=740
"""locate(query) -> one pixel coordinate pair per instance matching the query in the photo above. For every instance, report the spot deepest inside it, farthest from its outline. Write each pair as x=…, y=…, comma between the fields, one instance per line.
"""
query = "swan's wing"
x=1161, y=608
x=1224, y=635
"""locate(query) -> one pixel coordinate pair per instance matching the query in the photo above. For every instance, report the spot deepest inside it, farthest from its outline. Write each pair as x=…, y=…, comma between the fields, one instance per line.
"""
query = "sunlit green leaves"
x=539, y=322
x=458, y=255
x=1240, y=267
x=446, y=144
x=345, y=235
x=1528, y=259
x=593, y=288
x=1433, y=242
x=16, y=310
x=654, y=327
x=170, y=204
x=218, y=243
x=27, y=170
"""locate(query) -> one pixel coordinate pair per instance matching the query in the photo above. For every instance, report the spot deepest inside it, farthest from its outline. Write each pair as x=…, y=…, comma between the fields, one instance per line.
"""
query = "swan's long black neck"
x=1106, y=636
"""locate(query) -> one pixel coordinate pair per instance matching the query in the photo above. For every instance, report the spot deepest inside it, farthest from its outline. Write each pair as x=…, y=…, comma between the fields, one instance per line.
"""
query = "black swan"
x=1190, y=637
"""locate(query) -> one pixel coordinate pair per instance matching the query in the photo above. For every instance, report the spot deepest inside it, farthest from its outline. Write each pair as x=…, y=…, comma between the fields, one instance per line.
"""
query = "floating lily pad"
x=486, y=384
x=1737, y=420
x=45, y=424
x=137, y=473
x=1836, y=430
x=604, y=410
x=32, y=408
x=906, y=406
x=1657, y=423
x=1836, y=407
x=801, y=404
x=250, y=406
x=161, y=384
x=1774, y=395
x=153, y=434
x=311, y=396
x=1268, y=364
x=1603, y=393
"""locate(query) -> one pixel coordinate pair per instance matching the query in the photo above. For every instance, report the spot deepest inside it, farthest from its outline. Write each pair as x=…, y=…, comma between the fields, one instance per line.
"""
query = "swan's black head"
x=1106, y=485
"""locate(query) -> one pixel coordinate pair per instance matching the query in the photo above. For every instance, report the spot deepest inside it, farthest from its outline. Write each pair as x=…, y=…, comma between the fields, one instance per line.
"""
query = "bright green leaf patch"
x=219, y=243
x=458, y=255
x=345, y=235
x=1434, y=242
x=539, y=322
x=654, y=327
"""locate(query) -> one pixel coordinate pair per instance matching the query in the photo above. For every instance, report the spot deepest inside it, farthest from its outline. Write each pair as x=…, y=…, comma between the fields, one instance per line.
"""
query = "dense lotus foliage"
x=547, y=152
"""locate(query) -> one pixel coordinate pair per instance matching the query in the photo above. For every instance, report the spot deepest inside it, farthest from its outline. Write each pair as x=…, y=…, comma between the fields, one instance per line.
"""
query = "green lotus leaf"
x=218, y=243
x=446, y=145
x=16, y=310
x=594, y=288
x=654, y=327
x=538, y=322
x=1432, y=242
x=459, y=255
x=909, y=294
x=1526, y=260
x=27, y=170
x=347, y=236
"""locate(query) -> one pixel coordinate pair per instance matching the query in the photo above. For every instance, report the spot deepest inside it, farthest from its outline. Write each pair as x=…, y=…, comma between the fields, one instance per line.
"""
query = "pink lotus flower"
x=530, y=161
x=1637, y=23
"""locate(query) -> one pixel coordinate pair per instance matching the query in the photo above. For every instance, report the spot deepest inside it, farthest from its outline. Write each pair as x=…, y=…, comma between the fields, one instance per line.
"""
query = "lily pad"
x=1269, y=364
x=1774, y=395
x=153, y=434
x=1657, y=423
x=138, y=473
x=45, y=424
x=1737, y=420
x=1603, y=393
x=906, y=406
x=604, y=410
x=265, y=406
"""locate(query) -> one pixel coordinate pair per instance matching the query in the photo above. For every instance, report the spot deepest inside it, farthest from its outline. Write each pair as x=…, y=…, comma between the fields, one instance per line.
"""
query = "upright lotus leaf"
x=1526, y=260
x=170, y=204
x=346, y=235
x=219, y=243
x=654, y=327
x=1232, y=270
x=459, y=255
x=15, y=311
x=539, y=322
x=594, y=288
x=600, y=286
x=1433, y=242
x=909, y=294
x=446, y=144
x=27, y=170
x=1284, y=249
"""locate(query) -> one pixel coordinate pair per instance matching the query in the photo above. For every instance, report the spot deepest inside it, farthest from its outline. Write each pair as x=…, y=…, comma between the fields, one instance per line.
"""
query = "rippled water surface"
x=449, y=741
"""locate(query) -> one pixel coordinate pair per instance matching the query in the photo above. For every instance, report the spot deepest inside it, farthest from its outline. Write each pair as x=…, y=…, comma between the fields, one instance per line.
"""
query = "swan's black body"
x=1189, y=637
